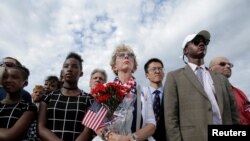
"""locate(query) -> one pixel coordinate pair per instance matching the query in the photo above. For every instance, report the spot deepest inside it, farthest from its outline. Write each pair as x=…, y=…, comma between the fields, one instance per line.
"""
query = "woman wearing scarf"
x=124, y=64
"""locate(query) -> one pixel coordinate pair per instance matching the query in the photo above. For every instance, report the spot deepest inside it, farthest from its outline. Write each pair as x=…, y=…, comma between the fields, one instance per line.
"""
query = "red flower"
x=110, y=94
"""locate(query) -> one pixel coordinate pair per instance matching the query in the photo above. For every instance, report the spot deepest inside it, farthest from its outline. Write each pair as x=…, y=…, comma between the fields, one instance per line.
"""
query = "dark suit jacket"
x=188, y=111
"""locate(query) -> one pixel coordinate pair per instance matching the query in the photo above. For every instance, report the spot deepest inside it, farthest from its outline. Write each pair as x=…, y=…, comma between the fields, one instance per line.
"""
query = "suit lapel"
x=218, y=91
x=194, y=80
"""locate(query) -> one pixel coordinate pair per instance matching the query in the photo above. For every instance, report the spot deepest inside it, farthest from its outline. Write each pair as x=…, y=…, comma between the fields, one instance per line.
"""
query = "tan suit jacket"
x=188, y=111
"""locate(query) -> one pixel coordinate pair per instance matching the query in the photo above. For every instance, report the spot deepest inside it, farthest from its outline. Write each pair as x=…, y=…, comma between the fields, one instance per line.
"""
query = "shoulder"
x=177, y=71
x=145, y=93
x=175, y=74
x=26, y=96
x=218, y=76
x=28, y=106
x=53, y=95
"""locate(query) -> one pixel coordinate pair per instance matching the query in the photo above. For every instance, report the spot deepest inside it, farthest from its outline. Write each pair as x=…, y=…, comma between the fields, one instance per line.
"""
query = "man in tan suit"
x=195, y=97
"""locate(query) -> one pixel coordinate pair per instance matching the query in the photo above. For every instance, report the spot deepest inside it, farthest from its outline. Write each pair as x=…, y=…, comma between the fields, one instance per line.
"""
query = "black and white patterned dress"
x=10, y=113
x=65, y=114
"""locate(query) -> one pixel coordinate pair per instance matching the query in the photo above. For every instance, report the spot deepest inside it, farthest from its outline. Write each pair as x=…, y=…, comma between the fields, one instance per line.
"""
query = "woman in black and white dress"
x=61, y=112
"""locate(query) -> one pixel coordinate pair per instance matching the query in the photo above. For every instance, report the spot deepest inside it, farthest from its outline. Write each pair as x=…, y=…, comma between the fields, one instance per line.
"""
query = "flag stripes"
x=93, y=119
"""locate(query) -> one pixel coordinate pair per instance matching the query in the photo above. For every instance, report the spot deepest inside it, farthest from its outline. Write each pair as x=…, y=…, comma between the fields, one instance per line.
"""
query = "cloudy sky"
x=41, y=33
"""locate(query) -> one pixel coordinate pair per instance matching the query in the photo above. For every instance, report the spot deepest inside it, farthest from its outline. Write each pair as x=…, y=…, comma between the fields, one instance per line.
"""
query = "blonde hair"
x=38, y=88
x=122, y=48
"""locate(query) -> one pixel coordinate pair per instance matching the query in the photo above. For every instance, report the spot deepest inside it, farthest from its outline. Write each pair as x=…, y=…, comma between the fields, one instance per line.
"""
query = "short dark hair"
x=52, y=79
x=150, y=61
x=17, y=62
x=76, y=56
x=25, y=71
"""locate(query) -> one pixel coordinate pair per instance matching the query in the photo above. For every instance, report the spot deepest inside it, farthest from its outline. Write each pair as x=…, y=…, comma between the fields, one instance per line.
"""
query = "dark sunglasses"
x=7, y=64
x=199, y=39
x=225, y=63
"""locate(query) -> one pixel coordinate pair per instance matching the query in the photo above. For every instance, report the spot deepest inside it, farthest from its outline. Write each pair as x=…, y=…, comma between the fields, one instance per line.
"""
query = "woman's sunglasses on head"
x=7, y=64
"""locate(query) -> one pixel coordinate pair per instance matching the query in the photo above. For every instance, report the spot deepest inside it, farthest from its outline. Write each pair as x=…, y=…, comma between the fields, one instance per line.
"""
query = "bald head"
x=221, y=65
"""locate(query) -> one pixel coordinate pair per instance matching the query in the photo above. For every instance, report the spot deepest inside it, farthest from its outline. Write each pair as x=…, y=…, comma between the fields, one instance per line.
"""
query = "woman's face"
x=124, y=62
x=13, y=80
x=50, y=86
x=71, y=70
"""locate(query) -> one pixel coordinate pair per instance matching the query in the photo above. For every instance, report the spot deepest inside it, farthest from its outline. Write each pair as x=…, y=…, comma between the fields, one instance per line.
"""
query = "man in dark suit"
x=154, y=71
x=196, y=97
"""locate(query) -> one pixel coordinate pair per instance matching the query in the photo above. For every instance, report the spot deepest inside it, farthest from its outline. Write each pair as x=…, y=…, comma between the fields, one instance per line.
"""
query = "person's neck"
x=124, y=77
x=198, y=62
x=156, y=85
x=70, y=86
x=12, y=98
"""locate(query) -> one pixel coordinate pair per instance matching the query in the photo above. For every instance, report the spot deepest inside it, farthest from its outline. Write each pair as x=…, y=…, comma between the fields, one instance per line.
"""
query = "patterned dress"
x=65, y=114
x=10, y=113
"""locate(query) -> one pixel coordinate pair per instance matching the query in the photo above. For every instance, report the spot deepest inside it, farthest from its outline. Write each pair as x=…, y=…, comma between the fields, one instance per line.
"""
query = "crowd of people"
x=192, y=97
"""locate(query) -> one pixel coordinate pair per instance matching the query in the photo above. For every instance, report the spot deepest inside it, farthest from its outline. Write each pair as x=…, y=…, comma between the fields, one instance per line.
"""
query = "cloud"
x=41, y=33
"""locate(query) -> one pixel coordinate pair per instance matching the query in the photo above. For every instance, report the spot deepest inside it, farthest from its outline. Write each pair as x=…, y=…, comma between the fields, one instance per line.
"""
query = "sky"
x=41, y=34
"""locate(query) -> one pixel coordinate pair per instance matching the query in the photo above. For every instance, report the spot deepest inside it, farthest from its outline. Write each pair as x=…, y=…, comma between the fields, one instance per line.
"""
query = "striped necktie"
x=200, y=75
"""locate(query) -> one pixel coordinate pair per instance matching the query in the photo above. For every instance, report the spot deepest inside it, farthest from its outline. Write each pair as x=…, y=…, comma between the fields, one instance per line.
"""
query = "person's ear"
x=25, y=83
x=81, y=74
x=185, y=51
x=114, y=68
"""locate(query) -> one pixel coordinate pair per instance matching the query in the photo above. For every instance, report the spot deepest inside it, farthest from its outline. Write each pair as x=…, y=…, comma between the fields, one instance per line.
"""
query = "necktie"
x=156, y=105
x=211, y=97
x=199, y=75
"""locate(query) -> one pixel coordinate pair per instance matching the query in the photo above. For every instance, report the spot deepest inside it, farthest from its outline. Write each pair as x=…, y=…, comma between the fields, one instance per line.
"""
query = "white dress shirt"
x=210, y=91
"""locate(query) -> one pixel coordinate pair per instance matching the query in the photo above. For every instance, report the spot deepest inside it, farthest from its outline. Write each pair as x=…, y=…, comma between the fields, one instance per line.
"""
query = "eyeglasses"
x=7, y=64
x=199, y=39
x=122, y=55
x=226, y=63
x=154, y=69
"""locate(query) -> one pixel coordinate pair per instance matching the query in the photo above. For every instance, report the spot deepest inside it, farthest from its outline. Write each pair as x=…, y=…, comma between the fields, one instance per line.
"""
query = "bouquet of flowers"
x=107, y=98
x=109, y=95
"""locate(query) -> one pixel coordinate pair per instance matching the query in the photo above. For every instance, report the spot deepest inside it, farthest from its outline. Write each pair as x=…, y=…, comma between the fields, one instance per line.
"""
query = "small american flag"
x=94, y=116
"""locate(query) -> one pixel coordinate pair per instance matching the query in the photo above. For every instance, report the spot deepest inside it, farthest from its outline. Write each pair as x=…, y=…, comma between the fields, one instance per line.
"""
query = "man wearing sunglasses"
x=195, y=97
x=9, y=62
x=222, y=66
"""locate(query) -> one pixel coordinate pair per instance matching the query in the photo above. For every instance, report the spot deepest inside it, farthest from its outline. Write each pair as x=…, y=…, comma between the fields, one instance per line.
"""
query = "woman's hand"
x=116, y=137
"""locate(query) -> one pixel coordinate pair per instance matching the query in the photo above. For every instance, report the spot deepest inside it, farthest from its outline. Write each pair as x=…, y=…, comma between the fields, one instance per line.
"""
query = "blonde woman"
x=124, y=64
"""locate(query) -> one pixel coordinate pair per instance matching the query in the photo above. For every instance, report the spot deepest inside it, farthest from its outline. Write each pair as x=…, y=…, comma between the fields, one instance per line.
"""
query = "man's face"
x=223, y=66
x=197, y=48
x=155, y=72
x=97, y=78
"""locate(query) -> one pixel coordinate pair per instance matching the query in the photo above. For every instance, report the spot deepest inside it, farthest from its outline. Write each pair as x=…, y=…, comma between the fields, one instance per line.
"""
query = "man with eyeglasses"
x=195, y=97
x=222, y=66
x=154, y=72
x=9, y=62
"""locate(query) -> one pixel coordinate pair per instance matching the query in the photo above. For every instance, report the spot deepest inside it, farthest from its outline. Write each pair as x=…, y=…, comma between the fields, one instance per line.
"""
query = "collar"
x=153, y=89
x=194, y=66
